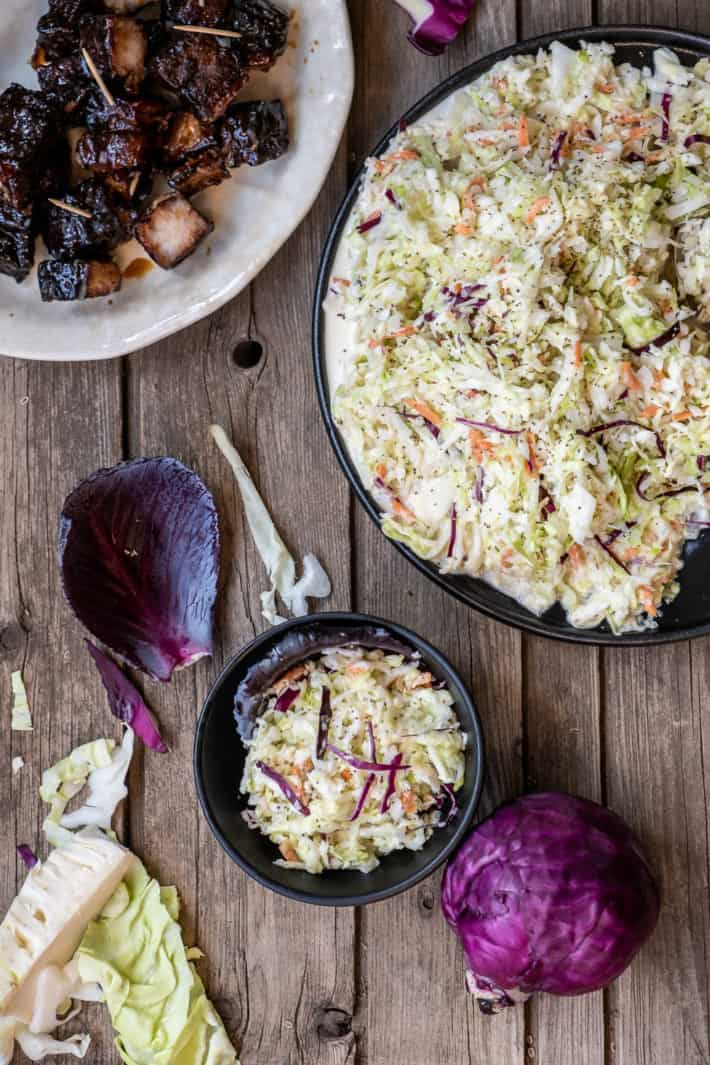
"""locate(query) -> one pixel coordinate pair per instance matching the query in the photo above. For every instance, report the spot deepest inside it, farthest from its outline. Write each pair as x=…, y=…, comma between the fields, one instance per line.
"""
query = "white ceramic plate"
x=254, y=212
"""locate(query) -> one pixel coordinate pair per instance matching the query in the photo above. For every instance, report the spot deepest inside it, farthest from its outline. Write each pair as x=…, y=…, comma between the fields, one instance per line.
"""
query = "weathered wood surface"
x=383, y=986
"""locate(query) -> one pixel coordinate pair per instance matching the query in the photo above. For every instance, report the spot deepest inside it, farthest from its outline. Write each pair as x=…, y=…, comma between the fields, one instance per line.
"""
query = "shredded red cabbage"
x=634, y=157
x=453, y=806
x=393, y=199
x=429, y=316
x=612, y=554
x=701, y=461
x=436, y=22
x=480, y=476
x=662, y=495
x=660, y=341
x=324, y=717
x=556, y=149
x=373, y=742
x=27, y=855
x=452, y=538
x=433, y=429
x=370, y=223
x=624, y=421
x=489, y=425
x=368, y=767
x=391, y=783
x=286, y=700
x=285, y=787
x=666, y=105
x=363, y=797
x=696, y=138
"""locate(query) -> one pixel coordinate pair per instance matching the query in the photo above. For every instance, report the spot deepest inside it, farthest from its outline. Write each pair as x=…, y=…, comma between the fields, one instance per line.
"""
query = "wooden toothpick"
x=70, y=207
x=97, y=78
x=209, y=30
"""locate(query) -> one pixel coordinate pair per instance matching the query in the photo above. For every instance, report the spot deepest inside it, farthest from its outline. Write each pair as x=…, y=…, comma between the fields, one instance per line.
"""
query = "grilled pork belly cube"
x=205, y=74
x=254, y=133
x=71, y=236
x=78, y=280
x=198, y=172
x=27, y=123
x=121, y=149
x=65, y=82
x=118, y=47
x=171, y=229
x=17, y=189
x=187, y=134
x=57, y=38
x=17, y=252
x=195, y=12
x=264, y=32
x=144, y=113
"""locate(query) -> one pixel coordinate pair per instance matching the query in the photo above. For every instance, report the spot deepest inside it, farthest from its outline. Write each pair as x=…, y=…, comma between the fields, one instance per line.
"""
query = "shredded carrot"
x=424, y=680
x=296, y=673
x=380, y=470
x=637, y=133
x=383, y=167
x=606, y=87
x=346, y=773
x=409, y=801
x=539, y=205
x=647, y=600
x=681, y=416
x=405, y=331
x=576, y=553
x=629, y=378
x=534, y=464
x=288, y=852
x=479, y=181
x=656, y=157
x=401, y=511
x=374, y=344
x=498, y=259
x=342, y=281
x=629, y=554
x=425, y=410
x=598, y=148
x=578, y=353
x=480, y=444
x=506, y=558
x=508, y=126
x=650, y=411
x=523, y=132
x=463, y=229
x=403, y=154
x=633, y=281
x=356, y=668
x=471, y=393
x=468, y=201
x=628, y=119
x=658, y=377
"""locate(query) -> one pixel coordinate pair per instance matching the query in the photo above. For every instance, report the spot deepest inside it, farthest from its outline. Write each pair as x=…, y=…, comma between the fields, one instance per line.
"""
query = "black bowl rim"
x=509, y=614
x=467, y=812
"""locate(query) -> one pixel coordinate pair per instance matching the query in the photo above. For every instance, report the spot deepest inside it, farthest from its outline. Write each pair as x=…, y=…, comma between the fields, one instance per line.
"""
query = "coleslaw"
x=526, y=279
x=357, y=753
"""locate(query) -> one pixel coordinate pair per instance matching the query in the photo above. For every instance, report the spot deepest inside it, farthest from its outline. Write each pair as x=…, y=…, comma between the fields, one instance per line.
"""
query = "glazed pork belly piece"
x=118, y=47
x=187, y=134
x=140, y=113
x=171, y=229
x=27, y=124
x=254, y=133
x=109, y=150
x=78, y=280
x=71, y=236
x=17, y=252
x=201, y=71
x=198, y=172
x=195, y=12
x=125, y=7
x=65, y=81
x=264, y=32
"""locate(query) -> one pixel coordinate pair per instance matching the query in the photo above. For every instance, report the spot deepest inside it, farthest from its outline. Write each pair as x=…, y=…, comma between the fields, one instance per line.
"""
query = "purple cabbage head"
x=551, y=893
x=139, y=555
x=436, y=22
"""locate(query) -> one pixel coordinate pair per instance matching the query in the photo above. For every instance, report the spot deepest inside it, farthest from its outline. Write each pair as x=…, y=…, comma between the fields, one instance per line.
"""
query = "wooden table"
x=383, y=985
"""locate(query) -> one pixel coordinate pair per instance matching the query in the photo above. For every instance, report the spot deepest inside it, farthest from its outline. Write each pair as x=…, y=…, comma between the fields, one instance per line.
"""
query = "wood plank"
x=59, y=422
x=407, y=935
x=281, y=974
x=655, y=739
x=562, y=712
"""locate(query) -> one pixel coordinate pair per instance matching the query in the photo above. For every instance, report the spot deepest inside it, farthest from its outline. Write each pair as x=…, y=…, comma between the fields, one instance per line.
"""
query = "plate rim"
x=508, y=614
x=152, y=334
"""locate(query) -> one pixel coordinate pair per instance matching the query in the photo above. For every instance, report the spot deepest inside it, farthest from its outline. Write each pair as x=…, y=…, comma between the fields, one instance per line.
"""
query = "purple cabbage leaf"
x=126, y=702
x=436, y=22
x=139, y=555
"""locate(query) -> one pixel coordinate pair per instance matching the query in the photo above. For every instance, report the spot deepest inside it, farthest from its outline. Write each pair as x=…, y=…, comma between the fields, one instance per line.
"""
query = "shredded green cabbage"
x=510, y=262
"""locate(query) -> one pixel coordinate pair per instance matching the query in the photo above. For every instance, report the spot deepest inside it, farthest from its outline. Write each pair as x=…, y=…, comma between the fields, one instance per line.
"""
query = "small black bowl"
x=688, y=615
x=219, y=757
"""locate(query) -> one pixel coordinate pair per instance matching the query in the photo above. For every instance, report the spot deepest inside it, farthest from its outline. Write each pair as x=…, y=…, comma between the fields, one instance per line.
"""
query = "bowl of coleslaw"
x=512, y=335
x=339, y=759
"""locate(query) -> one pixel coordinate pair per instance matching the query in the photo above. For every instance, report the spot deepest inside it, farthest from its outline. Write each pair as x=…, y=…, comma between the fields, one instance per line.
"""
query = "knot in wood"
x=333, y=1023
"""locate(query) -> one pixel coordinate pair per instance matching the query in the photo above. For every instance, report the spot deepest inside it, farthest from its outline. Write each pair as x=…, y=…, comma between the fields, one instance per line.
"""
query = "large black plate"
x=689, y=613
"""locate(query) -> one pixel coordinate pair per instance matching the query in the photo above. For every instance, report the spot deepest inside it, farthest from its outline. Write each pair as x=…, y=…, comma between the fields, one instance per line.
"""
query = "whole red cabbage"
x=139, y=555
x=551, y=893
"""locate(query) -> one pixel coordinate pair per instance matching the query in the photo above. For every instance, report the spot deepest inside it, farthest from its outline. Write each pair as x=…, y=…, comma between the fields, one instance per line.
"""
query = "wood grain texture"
x=58, y=423
x=412, y=998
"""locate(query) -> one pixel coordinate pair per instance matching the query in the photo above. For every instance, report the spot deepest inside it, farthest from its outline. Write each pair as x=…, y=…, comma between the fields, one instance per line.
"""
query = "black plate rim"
x=511, y=615
x=467, y=813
